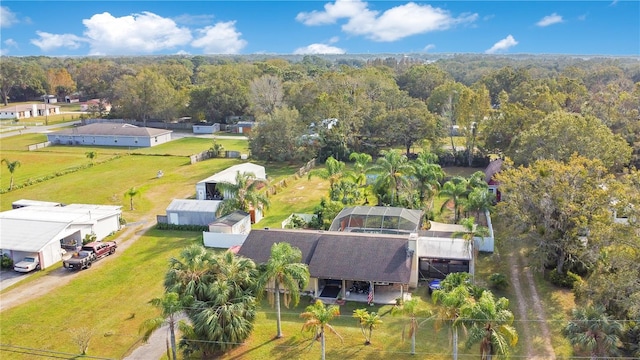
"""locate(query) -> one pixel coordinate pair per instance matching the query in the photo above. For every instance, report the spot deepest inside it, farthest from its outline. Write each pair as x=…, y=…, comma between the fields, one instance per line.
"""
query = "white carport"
x=439, y=256
x=44, y=231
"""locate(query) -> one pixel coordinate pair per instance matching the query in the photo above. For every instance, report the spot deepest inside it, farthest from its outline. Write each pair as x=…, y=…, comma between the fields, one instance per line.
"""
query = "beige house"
x=26, y=111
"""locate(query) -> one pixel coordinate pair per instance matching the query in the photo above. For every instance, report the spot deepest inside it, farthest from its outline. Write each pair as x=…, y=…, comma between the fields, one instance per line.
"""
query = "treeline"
x=477, y=104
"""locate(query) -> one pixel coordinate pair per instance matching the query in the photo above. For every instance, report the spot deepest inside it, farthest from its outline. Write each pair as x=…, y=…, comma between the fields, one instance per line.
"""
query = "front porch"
x=383, y=293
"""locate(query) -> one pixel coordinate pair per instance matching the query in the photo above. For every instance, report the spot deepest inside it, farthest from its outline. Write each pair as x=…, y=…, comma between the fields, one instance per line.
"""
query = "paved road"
x=37, y=129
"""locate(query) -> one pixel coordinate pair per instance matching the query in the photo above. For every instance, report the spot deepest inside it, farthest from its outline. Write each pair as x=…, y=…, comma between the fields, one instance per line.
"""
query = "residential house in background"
x=111, y=134
x=27, y=111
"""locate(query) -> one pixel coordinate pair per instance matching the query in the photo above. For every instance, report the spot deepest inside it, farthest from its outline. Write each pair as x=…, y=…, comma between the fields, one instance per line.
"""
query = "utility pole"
x=46, y=110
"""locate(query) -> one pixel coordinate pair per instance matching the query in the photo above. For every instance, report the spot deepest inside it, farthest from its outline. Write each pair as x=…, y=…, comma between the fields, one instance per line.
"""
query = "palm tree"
x=317, y=318
x=332, y=171
x=285, y=269
x=131, y=193
x=11, y=166
x=491, y=324
x=428, y=174
x=592, y=330
x=470, y=232
x=454, y=191
x=368, y=321
x=479, y=200
x=392, y=169
x=451, y=302
x=243, y=195
x=361, y=160
x=224, y=308
x=91, y=155
x=410, y=309
x=171, y=306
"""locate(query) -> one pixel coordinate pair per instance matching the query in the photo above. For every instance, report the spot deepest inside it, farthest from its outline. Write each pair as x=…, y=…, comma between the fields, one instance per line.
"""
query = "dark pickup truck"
x=100, y=248
x=89, y=253
x=80, y=260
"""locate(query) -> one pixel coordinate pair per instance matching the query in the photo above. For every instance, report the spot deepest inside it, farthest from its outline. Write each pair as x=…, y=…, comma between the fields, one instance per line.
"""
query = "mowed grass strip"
x=111, y=299
x=387, y=339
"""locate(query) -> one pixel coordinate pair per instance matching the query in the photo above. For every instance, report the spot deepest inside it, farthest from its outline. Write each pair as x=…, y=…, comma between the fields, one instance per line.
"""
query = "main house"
x=26, y=111
x=383, y=249
x=111, y=134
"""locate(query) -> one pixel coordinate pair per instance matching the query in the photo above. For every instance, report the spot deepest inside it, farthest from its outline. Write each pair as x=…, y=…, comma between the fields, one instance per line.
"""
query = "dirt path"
x=522, y=276
x=62, y=276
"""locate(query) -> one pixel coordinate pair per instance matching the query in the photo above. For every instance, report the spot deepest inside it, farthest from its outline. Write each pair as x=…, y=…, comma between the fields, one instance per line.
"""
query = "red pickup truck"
x=100, y=248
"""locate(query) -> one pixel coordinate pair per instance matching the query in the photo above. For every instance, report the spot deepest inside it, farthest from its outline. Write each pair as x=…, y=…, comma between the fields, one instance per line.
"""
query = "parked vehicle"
x=27, y=264
x=100, y=248
x=80, y=260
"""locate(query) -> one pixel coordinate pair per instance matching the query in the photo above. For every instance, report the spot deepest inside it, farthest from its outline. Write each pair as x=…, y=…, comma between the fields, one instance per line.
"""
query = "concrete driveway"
x=10, y=277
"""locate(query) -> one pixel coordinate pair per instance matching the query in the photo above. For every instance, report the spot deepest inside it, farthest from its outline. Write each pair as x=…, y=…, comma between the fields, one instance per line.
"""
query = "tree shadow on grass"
x=241, y=353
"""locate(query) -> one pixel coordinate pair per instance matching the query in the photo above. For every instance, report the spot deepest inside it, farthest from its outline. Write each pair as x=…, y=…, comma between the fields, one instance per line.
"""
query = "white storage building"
x=111, y=134
x=206, y=189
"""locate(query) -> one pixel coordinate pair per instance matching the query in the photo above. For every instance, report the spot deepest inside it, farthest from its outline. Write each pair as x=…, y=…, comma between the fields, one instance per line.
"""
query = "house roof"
x=30, y=235
x=228, y=175
x=257, y=245
x=381, y=219
x=27, y=202
x=362, y=257
x=113, y=129
x=338, y=255
x=442, y=248
x=230, y=219
x=30, y=228
x=492, y=169
x=190, y=205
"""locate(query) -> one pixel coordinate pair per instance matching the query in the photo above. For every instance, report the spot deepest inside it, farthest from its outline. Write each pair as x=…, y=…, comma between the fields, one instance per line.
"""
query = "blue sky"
x=62, y=28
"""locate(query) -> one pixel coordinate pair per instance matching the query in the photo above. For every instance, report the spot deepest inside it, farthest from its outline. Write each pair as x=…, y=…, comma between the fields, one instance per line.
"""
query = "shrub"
x=162, y=226
x=568, y=280
x=296, y=222
x=6, y=262
x=498, y=281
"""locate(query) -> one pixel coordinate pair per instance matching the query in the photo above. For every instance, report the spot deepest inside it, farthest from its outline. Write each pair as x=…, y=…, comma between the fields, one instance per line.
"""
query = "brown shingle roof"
x=338, y=255
x=113, y=129
x=492, y=169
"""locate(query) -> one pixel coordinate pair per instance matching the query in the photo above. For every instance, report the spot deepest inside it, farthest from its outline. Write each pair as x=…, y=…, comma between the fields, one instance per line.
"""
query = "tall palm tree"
x=332, y=171
x=317, y=318
x=285, y=269
x=11, y=166
x=454, y=192
x=368, y=322
x=393, y=170
x=361, y=160
x=190, y=273
x=243, y=195
x=490, y=323
x=428, y=174
x=450, y=304
x=479, y=200
x=470, y=232
x=170, y=306
x=592, y=330
x=410, y=310
x=131, y=193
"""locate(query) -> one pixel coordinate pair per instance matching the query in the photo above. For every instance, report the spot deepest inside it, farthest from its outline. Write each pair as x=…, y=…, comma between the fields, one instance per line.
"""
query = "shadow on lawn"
x=243, y=354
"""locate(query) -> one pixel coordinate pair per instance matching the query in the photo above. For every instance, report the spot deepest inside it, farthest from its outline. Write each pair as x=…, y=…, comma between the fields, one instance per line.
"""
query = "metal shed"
x=192, y=212
x=206, y=189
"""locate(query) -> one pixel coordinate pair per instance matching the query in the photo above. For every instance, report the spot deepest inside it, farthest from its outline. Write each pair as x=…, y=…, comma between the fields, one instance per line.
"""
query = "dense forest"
x=497, y=104
x=567, y=127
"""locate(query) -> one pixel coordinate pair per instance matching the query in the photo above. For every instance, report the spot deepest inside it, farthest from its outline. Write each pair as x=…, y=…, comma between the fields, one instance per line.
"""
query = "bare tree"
x=266, y=93
x=81, y=337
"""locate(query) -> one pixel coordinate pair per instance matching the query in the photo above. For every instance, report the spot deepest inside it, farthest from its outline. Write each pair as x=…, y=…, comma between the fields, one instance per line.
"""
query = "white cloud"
x=502, y=45
x=319, y=49
x=7, y=18
x=334, y=40
x=11, y=43
x=550, y=20
x=183, y=52
x=222, y=38
x=393, y=24
x=582, y=17
x=133, y=34
x=48, y=41
x=187, y=19
x=428, y=48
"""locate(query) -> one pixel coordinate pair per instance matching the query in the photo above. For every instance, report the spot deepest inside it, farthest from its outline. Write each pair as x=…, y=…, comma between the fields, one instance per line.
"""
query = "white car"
x=27, y=264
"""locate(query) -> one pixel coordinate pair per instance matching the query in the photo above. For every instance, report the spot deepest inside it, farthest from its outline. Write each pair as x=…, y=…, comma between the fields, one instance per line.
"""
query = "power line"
x=46, y=353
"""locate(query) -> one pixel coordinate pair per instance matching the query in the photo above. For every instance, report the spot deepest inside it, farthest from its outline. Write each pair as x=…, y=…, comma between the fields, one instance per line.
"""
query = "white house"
x=44, y=231
x=111, y=134
x=228, y=231
x=26, y=111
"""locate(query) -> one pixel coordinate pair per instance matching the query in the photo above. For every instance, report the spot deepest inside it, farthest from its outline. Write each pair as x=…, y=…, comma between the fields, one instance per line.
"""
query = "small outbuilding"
x=192, y=212
x=206, y=189
x=228, y=231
